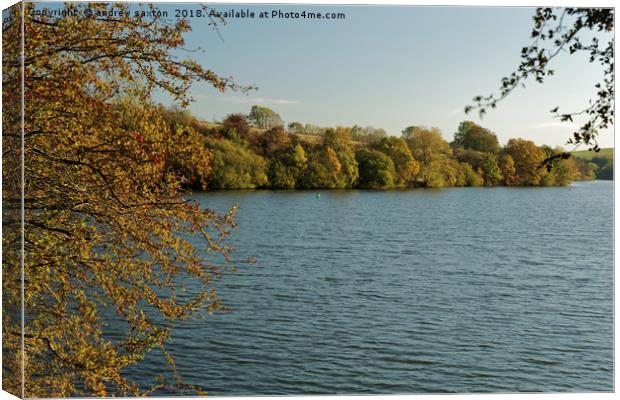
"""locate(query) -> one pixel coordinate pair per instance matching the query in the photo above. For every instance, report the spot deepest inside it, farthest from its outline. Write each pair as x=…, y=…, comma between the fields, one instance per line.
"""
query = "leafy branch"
x=551, y=36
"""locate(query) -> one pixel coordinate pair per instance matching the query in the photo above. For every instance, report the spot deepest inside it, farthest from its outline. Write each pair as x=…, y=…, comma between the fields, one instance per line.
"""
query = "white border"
x=510, y=3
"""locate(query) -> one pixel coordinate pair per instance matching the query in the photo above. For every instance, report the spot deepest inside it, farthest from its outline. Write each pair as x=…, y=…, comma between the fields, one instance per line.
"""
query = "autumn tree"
x=434, y=155
x=273, y=140
x=264, y=117
x=406, y=167
x=528, y=161
x=105, y=220
x=472, y=157
x=486, y=163
x=586, y=169
x=409, y=131
x=471, y=136
x=322, y=170
x=338, y=141
x=239, y=124
x=182, y=157
x=287, y=167
x=12, y=355
x=507, y=167
x=467, y=176
x=491, y=170
x=177, y=117
x=426, y=144
x=561, y=170
x=235, y=166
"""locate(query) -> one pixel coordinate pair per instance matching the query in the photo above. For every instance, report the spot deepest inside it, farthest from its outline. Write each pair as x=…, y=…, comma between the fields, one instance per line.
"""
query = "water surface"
x=413, y=291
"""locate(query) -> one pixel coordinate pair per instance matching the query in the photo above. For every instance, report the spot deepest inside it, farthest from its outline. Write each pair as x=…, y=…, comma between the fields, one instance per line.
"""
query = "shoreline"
x=400, y=189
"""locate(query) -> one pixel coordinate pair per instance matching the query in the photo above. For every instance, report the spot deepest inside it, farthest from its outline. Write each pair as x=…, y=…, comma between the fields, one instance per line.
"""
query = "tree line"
x=258, y=151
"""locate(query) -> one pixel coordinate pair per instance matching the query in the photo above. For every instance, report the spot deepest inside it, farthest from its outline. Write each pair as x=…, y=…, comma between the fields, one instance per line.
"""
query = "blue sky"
x=390, y=67
x=387, y=67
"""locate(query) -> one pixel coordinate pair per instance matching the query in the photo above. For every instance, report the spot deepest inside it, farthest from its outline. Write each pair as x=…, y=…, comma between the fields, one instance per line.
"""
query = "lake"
x=409, y=291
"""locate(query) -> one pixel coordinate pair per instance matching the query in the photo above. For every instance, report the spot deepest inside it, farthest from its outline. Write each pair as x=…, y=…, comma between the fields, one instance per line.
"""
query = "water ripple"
x=361, y=292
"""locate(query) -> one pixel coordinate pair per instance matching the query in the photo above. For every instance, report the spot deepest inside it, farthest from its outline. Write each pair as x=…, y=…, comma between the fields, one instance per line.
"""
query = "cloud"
x=555, y=124
x=261, y=100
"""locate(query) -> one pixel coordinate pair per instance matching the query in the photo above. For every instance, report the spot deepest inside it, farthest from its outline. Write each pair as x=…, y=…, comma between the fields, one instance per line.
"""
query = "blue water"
x=413, y=291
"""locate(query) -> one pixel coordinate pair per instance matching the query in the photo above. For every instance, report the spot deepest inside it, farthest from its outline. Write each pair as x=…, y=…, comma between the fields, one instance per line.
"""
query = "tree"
x=177, y=117
x=426, y=143
x=322, y=170
x=474, y=158
x=187, y=158
x=235, y=166
x=368, y=134
x=469, y=177
x=280, y=176
x=286, y=168
x=299, y=156
x=585, y=170
x=507, y=166
x=409, y=131
x=528, y=162
x=560, y=30
x=562, y=173
x=375, y=168
x=296, y=128
x=105, y=220
x=274, y=140
x=434, y=154
x=486, y=163
x=264, y=118
x=338, y=141
x=471, y=136
x=406, y=167
x=561, y=167
x=239, y=123
x=310, y=129
x=491, y=170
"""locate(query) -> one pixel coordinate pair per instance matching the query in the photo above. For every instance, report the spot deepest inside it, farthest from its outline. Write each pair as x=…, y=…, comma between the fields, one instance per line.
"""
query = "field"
x=588, y=155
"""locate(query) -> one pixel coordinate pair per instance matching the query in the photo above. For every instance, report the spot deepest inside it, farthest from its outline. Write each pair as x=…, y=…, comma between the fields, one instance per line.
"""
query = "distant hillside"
x=604, y=161
x=588, y=155
x=305, y=138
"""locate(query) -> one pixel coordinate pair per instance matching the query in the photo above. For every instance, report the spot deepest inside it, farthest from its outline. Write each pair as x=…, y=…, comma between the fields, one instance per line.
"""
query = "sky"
x=387, y=67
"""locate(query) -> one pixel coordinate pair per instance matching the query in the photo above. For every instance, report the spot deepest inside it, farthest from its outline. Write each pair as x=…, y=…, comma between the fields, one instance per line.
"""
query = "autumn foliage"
x=330, y=158
x=106, y=224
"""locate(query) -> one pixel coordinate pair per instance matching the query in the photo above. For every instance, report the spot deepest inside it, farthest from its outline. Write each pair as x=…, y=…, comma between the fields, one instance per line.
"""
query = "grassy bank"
x=589, y=155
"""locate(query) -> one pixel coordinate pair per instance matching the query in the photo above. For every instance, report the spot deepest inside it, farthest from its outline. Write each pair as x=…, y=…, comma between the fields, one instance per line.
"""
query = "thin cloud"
x=261, y=100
